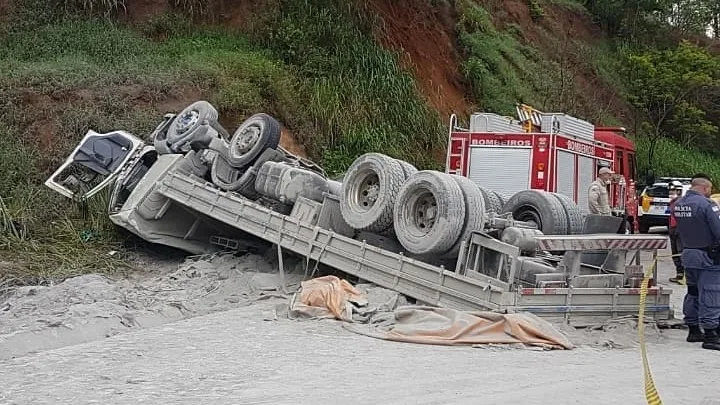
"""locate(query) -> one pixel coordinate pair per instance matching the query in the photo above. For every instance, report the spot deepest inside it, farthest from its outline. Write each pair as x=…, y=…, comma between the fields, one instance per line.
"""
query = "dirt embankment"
x=425, y=38
x=567, y=37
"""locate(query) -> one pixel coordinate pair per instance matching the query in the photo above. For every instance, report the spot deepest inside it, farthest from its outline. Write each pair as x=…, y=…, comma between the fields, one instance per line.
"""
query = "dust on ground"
x=94, y=307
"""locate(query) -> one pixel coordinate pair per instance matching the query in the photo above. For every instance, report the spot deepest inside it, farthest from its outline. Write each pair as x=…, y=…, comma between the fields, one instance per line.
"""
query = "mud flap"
x=94, y=164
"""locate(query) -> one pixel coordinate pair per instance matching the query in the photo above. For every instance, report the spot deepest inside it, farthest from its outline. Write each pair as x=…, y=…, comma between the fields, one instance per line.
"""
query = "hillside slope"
x=344, y=78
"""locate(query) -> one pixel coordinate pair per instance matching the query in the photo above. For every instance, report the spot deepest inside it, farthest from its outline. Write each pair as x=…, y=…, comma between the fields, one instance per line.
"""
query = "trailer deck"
x=466, y=288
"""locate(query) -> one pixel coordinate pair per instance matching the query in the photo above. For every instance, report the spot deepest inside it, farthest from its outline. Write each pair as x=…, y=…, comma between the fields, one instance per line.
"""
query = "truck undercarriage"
x=438, y=238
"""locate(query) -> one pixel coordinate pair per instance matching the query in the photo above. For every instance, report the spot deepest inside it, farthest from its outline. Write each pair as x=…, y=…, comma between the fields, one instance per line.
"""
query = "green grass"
x=314, y=66
x=496, y=64
x=504, y=71
x=671, y=159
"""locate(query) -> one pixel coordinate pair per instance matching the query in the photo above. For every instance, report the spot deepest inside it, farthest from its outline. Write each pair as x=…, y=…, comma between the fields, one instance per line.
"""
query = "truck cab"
x=625, y=165
x=551, y=152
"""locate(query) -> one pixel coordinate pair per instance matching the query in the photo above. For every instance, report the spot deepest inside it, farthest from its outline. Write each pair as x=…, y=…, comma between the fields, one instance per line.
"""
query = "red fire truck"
x=544, y=151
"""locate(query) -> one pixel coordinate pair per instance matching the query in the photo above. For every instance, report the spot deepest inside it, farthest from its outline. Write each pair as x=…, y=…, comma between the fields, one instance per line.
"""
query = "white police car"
x=654, y=203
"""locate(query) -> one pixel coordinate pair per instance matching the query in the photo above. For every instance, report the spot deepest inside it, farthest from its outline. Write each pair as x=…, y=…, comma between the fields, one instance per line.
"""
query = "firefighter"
x=598, y=199
x=675, y=190
x=698, y=223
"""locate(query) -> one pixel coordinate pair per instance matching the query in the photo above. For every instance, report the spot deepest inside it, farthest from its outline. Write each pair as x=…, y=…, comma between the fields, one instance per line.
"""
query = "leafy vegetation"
x=670, y=85
x=665, y=85
x=671, y=78
x=339, y=92
x=67, y=66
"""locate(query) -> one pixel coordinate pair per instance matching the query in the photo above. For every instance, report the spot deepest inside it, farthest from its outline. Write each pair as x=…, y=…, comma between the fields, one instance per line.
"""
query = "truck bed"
x=422, y=281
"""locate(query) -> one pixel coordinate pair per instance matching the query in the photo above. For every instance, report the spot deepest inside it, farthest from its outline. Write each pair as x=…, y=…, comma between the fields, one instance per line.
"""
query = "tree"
x=664, y=85
x=690, y=16
x=628, y=18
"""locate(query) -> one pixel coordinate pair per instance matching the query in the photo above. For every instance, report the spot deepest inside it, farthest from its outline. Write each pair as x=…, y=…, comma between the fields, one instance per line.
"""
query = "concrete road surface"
x=237, y=357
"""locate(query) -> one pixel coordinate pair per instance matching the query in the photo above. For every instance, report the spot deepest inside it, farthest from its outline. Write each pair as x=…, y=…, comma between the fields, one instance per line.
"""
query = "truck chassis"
x=506, y=266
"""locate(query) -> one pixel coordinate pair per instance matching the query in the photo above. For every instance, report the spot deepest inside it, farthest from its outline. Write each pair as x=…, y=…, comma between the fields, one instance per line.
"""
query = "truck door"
x=94, y=164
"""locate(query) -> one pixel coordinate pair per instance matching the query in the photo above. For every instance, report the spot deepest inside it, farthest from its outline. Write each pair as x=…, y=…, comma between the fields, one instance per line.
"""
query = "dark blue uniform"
x=698, y=223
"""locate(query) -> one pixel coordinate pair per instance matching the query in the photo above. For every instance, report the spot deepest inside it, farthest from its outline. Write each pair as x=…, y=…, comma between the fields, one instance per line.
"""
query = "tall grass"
x=363, y=100
x=671, y=159
x=502, y=71
x=314, y=66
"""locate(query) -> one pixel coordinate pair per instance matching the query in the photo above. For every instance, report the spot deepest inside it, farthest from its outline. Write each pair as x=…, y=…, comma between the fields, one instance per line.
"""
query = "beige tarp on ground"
x=331, y=297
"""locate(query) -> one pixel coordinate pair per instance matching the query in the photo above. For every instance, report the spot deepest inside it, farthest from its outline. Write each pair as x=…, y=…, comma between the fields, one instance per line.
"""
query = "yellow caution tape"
x=651, y=394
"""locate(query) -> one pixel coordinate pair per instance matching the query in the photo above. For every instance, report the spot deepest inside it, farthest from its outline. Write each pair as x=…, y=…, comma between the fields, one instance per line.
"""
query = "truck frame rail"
x=462, y=289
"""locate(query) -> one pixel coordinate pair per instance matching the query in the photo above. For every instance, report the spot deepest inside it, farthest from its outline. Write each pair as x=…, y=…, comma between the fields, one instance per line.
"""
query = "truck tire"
x=255, y=135
x=190, y=123
x=429, y=214
x=539, y=207
x=492, y=202
x=369, y=190
x=246, y=184
x=475, y=209
x=408, y=169
x=572, y=212
x=500, y=199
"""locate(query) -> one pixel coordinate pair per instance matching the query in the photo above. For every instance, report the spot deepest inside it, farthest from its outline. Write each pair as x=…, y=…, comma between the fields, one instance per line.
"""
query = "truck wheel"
x=429, y=213
x=492, y=202
x=408, y=169
x=573, y=214
x=369, y=190
x=474, y=210
x=256, y=134
x=538, y=207
x=500, y=198
x=190, y=123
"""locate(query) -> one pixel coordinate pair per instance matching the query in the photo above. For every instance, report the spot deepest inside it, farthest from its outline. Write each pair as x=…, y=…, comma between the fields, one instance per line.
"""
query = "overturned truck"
x=439, y=238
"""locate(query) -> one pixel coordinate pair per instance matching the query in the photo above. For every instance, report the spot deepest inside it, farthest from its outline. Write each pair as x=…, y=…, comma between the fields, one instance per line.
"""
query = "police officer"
x=675, y=193
x=698, y=223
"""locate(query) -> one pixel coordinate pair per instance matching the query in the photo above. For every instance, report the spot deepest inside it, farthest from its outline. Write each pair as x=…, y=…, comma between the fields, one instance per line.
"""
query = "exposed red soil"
x=425, y=38
x=47, y=133
x=142, y=10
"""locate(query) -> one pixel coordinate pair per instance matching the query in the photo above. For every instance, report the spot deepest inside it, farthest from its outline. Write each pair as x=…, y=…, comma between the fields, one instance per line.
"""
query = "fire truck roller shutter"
x=502, y=169
x=369, y=189
x=475, y=209
x=493, y=203
x=587, y=170
x=539, y=207
x=429, y=214
x=574, y=215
